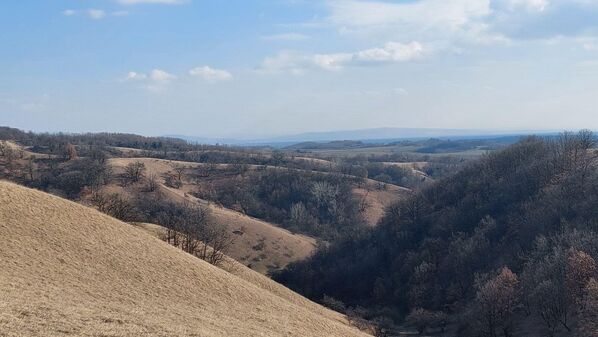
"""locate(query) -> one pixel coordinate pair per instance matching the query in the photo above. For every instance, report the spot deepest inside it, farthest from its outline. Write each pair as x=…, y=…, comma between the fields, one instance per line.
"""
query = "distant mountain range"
x=376, y=135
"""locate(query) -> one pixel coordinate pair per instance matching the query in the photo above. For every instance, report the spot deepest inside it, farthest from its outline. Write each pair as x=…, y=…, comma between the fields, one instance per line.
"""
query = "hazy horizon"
x=375, y=133
x=258, y=69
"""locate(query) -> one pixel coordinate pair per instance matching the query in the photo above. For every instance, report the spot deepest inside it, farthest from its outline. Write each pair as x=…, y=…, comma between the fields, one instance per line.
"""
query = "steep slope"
x=521, y=208
x=67, y=269
x=232, y=266
x=375, y=201
x=259, y=244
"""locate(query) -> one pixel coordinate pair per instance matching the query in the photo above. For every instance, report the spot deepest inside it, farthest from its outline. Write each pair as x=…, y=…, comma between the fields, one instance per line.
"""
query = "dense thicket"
x=530, y=208
x=321, y=205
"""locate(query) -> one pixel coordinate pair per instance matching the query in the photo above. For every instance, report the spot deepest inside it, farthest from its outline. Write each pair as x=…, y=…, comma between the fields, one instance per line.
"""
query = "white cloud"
x=96, y=14
x=157, y=80
x=159, y=75
x=286, y=37
x=533, y=5
x=331, y=61
x=458, y=23
x=286, y=60
x=392, y=52
x=295, y=62
x=426, y=14
x=211, y=74
x=133, y=76
x=437, y=22
x=163, y=2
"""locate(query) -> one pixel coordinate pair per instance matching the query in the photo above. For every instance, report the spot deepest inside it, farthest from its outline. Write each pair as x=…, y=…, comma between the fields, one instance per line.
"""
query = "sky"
x=255, y=68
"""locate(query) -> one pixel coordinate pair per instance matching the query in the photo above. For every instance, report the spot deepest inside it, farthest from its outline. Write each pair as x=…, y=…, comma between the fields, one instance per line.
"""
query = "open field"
x=68, y=269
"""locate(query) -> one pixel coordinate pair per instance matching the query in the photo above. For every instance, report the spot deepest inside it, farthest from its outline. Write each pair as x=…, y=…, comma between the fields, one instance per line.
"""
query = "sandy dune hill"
x=258, y=243
x=66, y=269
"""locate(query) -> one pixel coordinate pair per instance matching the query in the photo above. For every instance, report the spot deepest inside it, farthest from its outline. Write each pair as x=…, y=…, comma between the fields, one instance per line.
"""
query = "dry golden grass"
x=25, y=152
x=264, y=246
x=66, y=269
x=252, y=276
x=377, y=200
x=259, y=244
x=416, y=167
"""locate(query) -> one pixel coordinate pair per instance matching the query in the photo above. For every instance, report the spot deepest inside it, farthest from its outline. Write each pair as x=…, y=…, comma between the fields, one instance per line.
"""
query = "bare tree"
x=115, y=206
x=134, y=172
x=545, y=289
x=152, y=183
x=496, y=300
x=215, y=243
x=179, y=170
x=581, y=267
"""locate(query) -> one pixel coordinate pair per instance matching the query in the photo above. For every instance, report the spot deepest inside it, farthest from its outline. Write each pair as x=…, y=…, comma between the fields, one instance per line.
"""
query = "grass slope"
x=68, y=269
x=262, y=245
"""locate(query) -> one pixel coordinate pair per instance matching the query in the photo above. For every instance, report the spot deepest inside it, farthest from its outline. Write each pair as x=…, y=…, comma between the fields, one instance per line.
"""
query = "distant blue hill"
x=376, y=135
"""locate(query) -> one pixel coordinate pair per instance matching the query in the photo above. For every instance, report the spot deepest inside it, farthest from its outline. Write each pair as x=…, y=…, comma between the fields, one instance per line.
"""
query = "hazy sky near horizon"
x=256, y=67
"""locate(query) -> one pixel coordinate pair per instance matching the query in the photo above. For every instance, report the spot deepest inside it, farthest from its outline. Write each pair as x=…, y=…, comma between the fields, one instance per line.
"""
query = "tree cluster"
x=527, y=212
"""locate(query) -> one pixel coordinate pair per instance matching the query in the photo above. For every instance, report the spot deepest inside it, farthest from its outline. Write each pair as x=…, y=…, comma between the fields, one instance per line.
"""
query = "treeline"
x=55, y=143
x=510, y=239
x=90, y=144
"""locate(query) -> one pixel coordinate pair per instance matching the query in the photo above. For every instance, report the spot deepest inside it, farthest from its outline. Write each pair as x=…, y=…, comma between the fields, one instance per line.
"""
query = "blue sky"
x=256, y=68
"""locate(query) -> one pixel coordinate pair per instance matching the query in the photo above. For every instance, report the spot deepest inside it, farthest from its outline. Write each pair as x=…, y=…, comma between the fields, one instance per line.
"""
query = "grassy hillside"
x=68, y=269
x=259, y=244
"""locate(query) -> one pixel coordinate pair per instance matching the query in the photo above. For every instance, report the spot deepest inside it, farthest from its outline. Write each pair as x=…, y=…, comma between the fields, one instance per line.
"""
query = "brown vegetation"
x=67, y=269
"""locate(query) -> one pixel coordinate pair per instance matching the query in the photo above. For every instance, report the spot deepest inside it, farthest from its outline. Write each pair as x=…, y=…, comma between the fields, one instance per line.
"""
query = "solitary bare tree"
x=179, y=170
x=134, y=172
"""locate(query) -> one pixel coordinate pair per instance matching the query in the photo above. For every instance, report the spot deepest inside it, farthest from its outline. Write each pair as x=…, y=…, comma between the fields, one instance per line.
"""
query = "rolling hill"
x=259, y=244
x=66, y=269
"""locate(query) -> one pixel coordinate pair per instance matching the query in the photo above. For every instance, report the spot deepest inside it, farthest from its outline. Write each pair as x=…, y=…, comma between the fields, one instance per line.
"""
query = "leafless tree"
x=581, y=267
x=496, y=300
x=179, y=170
x=151, y=183
x=115, y=206
x=134, y=172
